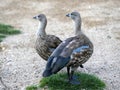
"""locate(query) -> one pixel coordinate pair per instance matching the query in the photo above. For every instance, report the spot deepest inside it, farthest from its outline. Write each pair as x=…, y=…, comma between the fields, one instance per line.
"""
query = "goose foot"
x=74, y=77
x=74, y=82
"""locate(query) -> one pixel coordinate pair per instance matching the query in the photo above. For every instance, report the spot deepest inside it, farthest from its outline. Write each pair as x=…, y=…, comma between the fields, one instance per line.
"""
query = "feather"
x=62, y=55
x=72, y=52
x=45, y=44
x=56, y=62
x=53, y=67
x=77, y=50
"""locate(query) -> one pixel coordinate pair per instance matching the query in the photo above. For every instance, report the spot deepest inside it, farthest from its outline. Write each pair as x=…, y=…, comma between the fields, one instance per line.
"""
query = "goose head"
x=75, y=16
x=42, y=24
x=40, y=17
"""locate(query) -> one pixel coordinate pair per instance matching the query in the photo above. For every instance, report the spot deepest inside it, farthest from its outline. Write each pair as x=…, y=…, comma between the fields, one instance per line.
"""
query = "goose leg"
x=72, y=79
x=68, y=71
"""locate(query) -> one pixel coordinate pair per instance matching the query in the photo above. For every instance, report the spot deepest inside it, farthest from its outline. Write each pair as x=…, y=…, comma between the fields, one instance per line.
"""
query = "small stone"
x=109, y=37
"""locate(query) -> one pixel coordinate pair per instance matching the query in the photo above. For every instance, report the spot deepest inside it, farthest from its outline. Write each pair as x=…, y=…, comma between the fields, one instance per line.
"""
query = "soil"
x=21, y=66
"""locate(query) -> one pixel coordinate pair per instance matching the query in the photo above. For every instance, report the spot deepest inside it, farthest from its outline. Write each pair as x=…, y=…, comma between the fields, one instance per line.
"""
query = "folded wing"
x=63, y=54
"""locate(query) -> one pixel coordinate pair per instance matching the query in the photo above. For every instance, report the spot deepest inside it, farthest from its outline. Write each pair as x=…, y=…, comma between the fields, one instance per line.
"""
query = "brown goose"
x=72, y=52
x=45, y=44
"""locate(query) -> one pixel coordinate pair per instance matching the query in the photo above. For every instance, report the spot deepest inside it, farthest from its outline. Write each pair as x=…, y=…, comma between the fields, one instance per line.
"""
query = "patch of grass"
x=6, y=30
x=0, y=40
x=33, y=87
x=59, y=82
x=1, y=37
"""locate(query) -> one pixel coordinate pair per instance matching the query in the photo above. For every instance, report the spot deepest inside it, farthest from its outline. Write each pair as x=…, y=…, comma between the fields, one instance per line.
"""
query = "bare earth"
x=21, y=65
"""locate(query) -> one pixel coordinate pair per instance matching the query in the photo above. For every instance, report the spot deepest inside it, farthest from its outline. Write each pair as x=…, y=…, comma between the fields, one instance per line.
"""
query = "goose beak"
x=68, y=15
x=34, y=17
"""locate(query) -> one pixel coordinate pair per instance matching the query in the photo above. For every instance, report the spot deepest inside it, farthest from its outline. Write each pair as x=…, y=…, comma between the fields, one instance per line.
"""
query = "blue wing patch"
x=77, y=50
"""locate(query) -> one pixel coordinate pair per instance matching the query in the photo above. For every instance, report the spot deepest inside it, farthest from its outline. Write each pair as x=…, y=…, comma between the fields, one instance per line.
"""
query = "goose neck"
x=41, y=28
x=78, y=28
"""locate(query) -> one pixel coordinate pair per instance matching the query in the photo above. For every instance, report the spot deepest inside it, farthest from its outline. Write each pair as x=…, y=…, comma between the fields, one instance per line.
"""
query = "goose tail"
x=47, y=73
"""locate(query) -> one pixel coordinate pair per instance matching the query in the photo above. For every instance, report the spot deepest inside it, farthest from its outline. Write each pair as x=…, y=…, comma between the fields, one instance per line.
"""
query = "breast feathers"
x=46, y=45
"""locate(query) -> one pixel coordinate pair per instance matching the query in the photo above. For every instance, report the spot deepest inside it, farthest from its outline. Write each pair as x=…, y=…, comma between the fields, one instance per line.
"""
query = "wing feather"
x=62, y=54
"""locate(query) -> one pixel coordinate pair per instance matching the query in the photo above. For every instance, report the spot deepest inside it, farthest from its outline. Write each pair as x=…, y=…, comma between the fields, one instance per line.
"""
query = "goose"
x=45, y=44
x=71, y=53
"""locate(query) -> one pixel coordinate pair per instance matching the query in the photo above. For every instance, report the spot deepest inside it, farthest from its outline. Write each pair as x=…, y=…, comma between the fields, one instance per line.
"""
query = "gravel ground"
x=21, y=66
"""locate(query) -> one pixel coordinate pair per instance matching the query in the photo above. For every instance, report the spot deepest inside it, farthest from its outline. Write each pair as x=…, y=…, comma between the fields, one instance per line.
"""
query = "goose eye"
x=73, y=14
x=38, y=16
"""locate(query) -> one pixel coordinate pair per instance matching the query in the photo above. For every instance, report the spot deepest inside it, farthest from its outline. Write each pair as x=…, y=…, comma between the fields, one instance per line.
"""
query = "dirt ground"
x=20, y=64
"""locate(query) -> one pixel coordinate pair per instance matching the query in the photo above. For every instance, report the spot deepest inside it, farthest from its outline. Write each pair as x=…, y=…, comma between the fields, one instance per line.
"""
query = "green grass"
x=6, y=30
x=59, y=82
x=2, y=36
x=33, y=87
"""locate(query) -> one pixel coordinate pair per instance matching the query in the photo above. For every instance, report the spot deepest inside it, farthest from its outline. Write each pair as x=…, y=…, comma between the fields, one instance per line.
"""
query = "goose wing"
x=46, y=45
x=64, y=53
x=55, y=58
x=61, y=56
x=74, y=48
x=52, y=42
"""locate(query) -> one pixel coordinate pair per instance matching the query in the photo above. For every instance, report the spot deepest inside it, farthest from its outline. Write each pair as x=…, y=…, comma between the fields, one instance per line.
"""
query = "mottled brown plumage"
x=79, y=58
x=45, y=44
x=73, y=52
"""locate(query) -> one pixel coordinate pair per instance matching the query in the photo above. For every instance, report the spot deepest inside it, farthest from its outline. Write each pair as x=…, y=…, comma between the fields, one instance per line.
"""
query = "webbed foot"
x=74, y=82
x=74, y=77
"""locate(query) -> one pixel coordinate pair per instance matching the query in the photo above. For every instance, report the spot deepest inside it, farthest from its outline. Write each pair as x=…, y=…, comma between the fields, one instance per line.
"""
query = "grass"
x=33, y=87
x=6, y=30
x=59, y=82
x=2, y=36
